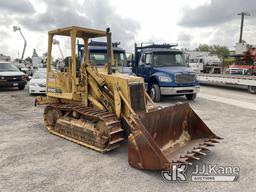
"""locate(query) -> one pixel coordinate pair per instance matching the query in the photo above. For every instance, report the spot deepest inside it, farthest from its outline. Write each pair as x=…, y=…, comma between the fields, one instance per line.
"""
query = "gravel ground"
x=31, y=159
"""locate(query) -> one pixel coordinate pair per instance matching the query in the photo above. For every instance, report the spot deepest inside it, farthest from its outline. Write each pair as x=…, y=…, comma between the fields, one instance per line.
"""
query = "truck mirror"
x=129, y=63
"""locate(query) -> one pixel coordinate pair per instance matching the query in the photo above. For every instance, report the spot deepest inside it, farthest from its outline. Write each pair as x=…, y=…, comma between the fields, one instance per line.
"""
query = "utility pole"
x=56, y=42
x=16, y=28
x=242, y=24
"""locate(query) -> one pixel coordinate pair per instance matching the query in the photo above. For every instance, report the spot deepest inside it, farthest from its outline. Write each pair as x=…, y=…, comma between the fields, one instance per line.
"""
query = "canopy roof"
x=81, y=32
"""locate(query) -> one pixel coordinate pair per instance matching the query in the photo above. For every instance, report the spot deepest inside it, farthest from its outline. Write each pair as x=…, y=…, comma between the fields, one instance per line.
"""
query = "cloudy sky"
x=186, y=22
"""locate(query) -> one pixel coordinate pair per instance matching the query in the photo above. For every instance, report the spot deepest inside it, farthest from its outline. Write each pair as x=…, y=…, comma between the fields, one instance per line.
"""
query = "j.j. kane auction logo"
x=202, y=173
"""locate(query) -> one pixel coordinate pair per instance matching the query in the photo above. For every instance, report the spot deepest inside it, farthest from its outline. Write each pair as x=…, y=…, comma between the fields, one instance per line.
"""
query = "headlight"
x=2, y=78
x=164, y=79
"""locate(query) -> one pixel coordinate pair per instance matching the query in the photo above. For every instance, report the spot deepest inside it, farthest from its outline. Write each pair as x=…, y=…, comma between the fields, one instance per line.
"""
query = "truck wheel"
x=252, y=89
x=249, y=72
x=191, y=97
x=21, y=87
x=155, y=93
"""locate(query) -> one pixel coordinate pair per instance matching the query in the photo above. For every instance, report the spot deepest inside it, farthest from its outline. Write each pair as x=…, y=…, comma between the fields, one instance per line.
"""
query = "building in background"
x=36, y=60
x=4, y=57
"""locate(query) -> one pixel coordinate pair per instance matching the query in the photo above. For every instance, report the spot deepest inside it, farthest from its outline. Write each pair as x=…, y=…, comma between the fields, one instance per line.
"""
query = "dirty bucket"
x=170, y=135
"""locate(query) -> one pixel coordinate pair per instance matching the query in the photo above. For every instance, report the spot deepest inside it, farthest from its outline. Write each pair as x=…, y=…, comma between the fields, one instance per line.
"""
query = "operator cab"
x=65, y=81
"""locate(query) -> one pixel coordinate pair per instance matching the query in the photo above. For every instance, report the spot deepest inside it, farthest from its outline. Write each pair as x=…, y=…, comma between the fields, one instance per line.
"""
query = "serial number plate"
x=15, y=84
x=54, y=90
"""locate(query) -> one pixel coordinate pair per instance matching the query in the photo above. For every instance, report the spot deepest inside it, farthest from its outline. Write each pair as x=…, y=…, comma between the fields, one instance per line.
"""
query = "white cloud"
x=186, y=22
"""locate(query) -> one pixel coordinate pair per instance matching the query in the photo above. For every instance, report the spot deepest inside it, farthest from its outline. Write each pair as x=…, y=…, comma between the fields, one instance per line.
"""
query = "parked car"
x=11, y=76
x=37, y=84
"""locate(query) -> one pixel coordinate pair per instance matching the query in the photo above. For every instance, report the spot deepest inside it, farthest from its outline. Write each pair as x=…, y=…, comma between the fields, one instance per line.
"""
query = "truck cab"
x=165, y=71
x=98, y=55
x=204, y=62
x=196, y=64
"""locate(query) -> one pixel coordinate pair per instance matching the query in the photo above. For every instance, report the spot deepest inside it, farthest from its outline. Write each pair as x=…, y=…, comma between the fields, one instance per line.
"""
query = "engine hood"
x=37, y=81
x=11, y=73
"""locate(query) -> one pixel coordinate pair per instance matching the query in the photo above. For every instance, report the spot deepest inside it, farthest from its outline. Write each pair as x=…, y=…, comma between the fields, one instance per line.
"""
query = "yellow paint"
x=90, y=84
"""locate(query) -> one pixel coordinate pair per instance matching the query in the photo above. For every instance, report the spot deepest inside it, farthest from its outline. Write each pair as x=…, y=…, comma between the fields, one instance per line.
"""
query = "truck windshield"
x=4, y=67
x=193, y=61
x=163, y=59
x=100, y=58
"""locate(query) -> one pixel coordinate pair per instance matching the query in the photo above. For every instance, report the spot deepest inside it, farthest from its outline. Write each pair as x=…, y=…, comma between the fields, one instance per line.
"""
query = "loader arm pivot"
x=98, y=87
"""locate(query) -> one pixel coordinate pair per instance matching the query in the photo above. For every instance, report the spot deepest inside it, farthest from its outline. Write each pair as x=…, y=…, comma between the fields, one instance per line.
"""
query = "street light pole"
x=16, y=28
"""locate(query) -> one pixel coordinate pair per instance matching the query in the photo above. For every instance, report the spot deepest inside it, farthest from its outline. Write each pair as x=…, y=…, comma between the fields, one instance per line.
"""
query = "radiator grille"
x=185, y=78
x=13, y=78
x=137, y=97
x=236, y=71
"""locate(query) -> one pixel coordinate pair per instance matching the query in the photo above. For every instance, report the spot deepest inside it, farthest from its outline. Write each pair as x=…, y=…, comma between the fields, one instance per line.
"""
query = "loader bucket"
x=170, y=135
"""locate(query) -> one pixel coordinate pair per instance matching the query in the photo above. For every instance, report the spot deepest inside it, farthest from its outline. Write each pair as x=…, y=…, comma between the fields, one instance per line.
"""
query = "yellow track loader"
x=98, y=107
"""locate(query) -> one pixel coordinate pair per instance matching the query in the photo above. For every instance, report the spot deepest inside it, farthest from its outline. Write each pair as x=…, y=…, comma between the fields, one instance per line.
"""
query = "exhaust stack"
x=109, y=51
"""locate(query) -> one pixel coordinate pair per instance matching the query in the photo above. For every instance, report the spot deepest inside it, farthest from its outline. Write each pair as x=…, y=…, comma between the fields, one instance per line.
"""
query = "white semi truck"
x=204, y=62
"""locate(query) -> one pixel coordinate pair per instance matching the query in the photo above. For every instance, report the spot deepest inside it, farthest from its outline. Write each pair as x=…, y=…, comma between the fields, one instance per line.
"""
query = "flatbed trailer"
x=217, y=79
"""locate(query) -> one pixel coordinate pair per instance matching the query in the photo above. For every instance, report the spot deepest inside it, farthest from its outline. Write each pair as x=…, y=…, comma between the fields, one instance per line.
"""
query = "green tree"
x=218, y=50
x=203, y=47
x=28, y=59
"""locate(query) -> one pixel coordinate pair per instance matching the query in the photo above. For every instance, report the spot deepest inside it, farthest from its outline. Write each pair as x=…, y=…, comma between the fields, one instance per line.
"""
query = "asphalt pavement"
x=31, y=159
